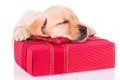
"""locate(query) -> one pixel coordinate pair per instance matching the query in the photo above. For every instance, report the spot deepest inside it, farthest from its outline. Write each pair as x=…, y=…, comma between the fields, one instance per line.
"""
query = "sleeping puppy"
x=56, y=21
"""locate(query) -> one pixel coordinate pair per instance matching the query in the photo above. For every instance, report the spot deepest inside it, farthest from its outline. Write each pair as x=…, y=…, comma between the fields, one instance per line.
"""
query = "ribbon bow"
x=57, y=40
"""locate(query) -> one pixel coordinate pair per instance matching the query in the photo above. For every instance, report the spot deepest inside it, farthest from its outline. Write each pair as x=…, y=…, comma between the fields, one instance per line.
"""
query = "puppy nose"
x=83, y=29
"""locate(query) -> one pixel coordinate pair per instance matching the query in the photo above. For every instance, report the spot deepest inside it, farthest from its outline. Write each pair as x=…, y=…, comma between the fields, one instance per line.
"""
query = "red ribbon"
x=58, y=54
x=60, y=40
x=57, y=40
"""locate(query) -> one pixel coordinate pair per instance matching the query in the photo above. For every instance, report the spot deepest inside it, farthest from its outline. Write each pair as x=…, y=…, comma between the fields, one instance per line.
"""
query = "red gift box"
x=43, y=58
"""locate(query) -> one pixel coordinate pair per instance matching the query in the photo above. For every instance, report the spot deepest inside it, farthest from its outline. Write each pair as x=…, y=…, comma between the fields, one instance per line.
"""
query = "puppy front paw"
x=91, y=31
x=21, y=34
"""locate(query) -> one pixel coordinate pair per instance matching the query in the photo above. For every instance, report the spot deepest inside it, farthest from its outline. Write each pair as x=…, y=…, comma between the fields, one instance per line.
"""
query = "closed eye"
x=64, y=22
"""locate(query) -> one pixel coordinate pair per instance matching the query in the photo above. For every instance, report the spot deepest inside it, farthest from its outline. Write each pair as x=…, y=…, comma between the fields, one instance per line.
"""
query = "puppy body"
x=54, y=22
x=29, y=25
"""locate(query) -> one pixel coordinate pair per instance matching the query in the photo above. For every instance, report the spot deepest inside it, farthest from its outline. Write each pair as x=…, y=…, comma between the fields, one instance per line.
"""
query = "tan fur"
x=54, y=22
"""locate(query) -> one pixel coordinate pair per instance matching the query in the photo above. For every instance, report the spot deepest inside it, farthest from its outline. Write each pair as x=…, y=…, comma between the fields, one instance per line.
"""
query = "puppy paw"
x=91, y=31
x=21, y=34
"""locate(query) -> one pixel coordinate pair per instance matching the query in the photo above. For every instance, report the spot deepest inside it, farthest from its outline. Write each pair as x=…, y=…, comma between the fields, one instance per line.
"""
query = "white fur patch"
x=60, y=31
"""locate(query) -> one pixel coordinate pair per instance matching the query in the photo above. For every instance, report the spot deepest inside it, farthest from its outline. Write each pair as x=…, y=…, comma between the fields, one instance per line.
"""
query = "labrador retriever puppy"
x=56, y=21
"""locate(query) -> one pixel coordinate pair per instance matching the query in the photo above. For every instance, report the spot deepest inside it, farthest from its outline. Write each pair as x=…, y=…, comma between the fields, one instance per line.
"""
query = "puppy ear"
x=36, y=28
x=91, y=31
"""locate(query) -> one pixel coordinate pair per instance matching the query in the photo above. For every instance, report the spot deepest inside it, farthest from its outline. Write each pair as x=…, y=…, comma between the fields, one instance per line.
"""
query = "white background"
x=103, y=15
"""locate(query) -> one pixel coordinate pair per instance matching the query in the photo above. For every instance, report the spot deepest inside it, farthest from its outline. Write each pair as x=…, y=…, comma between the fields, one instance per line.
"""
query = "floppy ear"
x=91, y=31
x=36, y=28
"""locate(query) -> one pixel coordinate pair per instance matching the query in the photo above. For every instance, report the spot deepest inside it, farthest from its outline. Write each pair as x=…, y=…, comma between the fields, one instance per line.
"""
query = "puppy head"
x=61, y=21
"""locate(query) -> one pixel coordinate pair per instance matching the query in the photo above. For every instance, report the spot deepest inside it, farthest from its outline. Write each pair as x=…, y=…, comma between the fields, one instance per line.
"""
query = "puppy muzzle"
x=83, y=32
